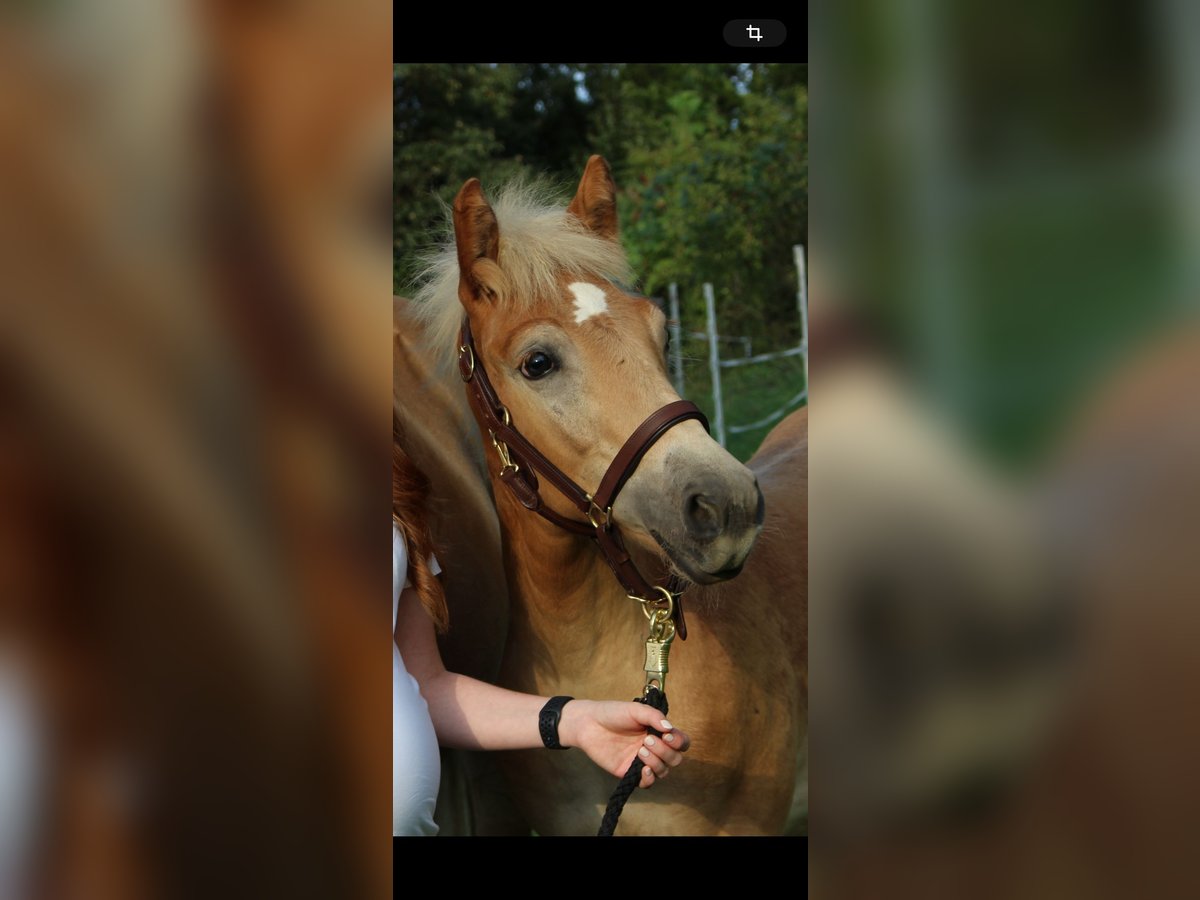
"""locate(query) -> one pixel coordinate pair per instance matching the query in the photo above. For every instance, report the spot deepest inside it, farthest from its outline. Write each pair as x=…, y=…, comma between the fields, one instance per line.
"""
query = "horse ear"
x=477, y=236
x=595, y=203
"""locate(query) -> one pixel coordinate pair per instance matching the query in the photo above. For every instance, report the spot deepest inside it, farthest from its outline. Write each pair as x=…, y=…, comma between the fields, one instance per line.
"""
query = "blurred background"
x=711, y=166
x=1005, y=445
x=195, y=207
x=195, y=349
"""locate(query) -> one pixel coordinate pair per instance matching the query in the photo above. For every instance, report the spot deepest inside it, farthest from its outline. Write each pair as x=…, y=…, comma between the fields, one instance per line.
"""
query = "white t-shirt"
x=416, y=766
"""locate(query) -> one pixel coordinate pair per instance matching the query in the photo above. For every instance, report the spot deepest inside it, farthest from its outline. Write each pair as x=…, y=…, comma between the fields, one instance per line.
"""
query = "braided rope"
x=656, y=698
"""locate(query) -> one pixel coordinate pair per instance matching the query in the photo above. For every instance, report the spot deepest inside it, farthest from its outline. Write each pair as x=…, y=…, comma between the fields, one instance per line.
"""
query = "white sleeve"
x=399, y=569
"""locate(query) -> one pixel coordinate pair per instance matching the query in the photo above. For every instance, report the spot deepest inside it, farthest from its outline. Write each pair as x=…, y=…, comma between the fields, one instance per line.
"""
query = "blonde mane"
x=539, y=243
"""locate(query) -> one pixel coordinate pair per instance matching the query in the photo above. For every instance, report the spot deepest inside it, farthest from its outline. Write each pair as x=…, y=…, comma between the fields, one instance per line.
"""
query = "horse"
x=466, y=533
x=944, y=630
x=191, y=455
x=578, y=362
x=1090, y=622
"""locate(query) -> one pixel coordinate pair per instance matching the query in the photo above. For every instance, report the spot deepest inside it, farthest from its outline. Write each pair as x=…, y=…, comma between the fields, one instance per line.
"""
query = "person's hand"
x=612, y=733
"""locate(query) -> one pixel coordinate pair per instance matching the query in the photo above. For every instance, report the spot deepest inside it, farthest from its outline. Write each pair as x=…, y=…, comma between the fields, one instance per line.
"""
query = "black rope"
x=656, y=698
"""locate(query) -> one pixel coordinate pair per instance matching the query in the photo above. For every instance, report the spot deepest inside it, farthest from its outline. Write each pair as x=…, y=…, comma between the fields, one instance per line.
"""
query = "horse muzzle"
x=708, y=533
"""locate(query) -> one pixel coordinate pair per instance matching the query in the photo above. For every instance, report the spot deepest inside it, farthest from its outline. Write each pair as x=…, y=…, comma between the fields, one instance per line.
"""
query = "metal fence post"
x=802, y=303
x=676, y=338
x=714, y=364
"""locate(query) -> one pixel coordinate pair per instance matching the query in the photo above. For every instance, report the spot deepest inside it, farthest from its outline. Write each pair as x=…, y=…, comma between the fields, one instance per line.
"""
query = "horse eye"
x=537, y=364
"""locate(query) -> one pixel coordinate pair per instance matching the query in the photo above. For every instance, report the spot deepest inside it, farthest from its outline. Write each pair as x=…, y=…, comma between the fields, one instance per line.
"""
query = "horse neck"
x=560, y=586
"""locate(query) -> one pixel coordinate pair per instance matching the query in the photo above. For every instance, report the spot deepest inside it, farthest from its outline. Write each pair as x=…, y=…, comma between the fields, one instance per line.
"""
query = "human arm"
x=471, y=714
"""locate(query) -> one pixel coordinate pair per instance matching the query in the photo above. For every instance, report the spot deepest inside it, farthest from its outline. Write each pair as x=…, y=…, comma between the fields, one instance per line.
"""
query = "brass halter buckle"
x=658, y=644
x=600, y=518
x=506, y=463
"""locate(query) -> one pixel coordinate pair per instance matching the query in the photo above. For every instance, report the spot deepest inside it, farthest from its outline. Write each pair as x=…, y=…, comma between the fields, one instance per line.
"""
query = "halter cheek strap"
x=520, y=460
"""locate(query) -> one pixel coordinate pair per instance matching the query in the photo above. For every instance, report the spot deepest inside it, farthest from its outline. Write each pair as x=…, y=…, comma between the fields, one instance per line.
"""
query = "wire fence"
x=717, y=364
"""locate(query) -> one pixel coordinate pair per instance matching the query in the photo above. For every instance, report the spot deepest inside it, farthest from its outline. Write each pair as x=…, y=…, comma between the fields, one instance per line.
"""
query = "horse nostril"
x=702, y=517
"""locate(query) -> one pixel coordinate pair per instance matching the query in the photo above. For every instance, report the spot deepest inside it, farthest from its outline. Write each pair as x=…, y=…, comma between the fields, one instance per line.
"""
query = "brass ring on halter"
x=470, y=370
x=648, y=604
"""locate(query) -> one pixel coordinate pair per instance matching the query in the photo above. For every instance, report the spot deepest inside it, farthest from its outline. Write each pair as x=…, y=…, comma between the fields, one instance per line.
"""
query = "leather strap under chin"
x=522, y=463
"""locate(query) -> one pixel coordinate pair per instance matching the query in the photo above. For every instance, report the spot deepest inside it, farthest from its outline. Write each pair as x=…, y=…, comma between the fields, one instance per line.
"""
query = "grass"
x=749, y=393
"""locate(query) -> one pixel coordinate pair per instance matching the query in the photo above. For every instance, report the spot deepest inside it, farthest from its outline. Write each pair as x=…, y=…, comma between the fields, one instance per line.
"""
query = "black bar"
x=509, y=33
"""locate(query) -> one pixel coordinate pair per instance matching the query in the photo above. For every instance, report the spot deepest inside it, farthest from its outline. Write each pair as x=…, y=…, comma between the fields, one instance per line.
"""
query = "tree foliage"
x=711, y=162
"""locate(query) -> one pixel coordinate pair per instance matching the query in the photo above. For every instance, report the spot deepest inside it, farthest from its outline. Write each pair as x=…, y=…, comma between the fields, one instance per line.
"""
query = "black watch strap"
x=548, y=721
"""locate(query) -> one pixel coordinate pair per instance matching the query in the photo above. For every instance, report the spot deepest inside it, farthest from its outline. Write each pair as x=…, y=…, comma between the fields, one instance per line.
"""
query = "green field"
x=750, y=392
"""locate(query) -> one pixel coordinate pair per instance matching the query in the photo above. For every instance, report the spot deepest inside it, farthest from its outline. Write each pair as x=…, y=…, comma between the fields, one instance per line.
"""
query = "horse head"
x=579, y=362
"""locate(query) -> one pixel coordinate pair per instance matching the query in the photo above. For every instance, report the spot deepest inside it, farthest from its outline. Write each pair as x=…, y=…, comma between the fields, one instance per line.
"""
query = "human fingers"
x=653, y=760
x=652, y=718
x=679, y=740
x=648, y=778
x=660, y=748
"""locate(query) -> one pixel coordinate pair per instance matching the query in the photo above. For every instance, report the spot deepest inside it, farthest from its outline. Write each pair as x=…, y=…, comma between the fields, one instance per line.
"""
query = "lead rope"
x=629, y=781
x=517, y=474
x=658, y=648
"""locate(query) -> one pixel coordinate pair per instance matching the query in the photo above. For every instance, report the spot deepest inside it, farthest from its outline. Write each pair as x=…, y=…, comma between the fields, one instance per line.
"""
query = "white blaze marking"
x=589, y=300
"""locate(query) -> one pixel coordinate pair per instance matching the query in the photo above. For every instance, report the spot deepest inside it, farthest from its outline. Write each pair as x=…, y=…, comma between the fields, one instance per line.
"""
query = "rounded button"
x=755, y=33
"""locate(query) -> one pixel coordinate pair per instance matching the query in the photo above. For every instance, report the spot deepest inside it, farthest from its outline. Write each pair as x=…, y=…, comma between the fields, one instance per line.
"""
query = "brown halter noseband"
x=519, y=459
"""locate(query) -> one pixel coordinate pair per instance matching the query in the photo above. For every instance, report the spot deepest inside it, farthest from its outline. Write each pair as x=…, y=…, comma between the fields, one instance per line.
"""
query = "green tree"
x=711, y=161
x=492, y=122
x=722, y=198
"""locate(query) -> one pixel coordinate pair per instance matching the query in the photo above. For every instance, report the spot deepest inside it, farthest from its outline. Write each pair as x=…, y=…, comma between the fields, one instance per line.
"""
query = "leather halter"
x=520, y=459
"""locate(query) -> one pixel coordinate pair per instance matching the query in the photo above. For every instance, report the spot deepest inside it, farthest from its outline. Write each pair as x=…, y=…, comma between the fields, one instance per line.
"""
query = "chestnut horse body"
x=577, y=360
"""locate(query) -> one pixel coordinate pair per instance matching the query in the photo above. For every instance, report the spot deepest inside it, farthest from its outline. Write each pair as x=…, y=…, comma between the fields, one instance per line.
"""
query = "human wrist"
x=569, y=723
x=550, y=722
